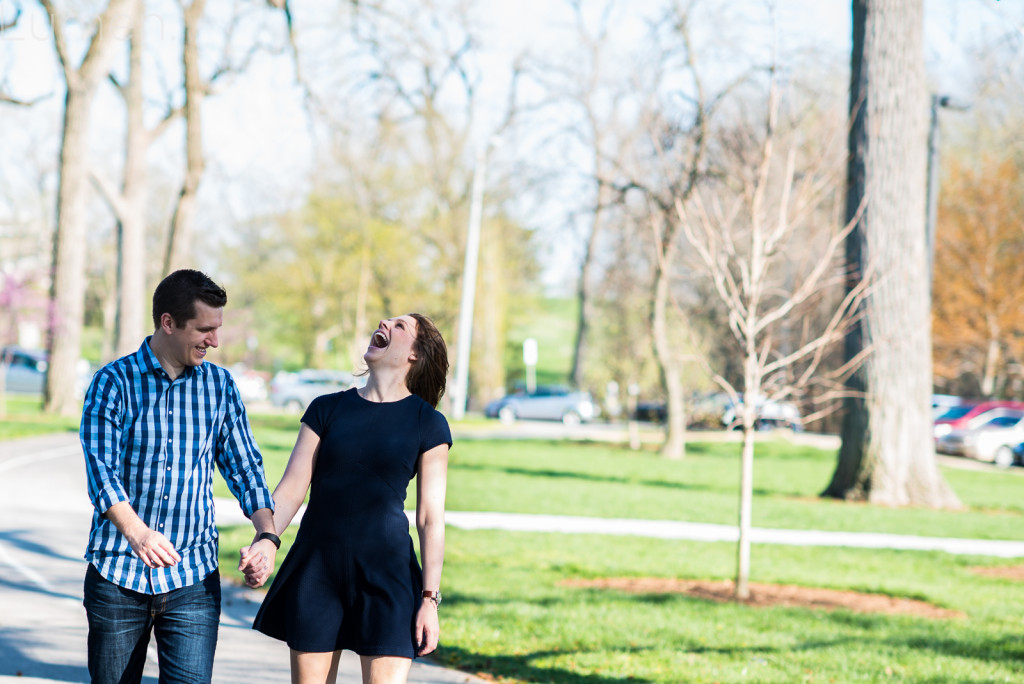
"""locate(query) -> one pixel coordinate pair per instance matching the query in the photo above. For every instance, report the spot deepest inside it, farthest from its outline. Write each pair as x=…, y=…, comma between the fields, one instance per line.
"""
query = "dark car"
x=544, y=403
x=24, y=370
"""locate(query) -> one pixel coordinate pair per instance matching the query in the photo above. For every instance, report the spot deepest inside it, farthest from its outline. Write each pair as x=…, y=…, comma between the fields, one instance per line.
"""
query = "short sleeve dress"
x=351, y=580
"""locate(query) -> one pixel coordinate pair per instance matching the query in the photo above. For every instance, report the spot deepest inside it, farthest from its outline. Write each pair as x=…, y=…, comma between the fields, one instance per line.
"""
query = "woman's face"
x=393, y=342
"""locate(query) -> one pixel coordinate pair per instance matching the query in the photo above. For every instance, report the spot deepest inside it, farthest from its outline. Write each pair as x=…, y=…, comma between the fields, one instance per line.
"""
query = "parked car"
x=1007, y=456
x=545, y=403
x=948, y=404
x=294, y=391
x=770, y=414
x=25, y=371
x=956, y=418
x=984, y=434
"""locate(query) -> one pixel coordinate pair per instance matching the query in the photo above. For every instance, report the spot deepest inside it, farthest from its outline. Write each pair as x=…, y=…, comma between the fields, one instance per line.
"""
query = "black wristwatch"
x=271, y=536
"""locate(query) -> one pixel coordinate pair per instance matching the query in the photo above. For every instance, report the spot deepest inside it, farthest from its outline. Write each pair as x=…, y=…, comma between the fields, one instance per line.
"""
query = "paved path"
x=44, y=523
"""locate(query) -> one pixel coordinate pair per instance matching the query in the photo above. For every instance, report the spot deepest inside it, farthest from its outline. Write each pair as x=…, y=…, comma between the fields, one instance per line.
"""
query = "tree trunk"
x=583, y=297
x=131, y=280
x=67, y=288
x=179, y=242
x=675, y=436
x=67, y=294
x=887, y=453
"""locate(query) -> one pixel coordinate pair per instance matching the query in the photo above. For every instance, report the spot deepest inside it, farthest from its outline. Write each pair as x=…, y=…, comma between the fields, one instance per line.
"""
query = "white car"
x=989, y=437
x=770, y=414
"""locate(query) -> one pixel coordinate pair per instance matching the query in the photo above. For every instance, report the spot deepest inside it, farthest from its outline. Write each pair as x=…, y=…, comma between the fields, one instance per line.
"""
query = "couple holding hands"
x=156, y=423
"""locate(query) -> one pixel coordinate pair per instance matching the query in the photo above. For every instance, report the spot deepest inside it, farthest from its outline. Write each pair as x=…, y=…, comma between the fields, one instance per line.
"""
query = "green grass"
x=23, y=417
x=509, y=613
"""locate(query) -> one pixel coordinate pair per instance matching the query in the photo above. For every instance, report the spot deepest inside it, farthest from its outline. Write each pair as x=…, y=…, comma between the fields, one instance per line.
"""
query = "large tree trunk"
x=179, y=242
x=887, y=453
x=132, y=215
x=67, y=293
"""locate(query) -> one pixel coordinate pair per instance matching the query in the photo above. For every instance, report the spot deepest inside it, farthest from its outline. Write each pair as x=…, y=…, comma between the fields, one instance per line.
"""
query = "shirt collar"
x=147, y=361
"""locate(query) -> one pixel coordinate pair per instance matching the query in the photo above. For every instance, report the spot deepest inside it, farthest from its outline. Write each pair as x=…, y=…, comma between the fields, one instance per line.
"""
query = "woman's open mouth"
x=379, y=340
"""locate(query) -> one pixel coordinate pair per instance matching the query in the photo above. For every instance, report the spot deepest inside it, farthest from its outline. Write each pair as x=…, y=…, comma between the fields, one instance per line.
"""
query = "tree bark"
x=131, y=280
x=67, y=293
x=675, y=430
x=887, y=454
x=179, y=242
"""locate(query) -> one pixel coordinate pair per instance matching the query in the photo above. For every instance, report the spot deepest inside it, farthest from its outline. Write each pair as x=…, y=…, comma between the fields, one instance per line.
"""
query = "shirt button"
x=168, y=467
x=161, y=526
x=165, y=498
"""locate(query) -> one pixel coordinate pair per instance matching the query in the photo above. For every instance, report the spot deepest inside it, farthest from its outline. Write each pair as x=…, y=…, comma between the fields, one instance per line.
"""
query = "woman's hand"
x=428, y=628
x=257, y=562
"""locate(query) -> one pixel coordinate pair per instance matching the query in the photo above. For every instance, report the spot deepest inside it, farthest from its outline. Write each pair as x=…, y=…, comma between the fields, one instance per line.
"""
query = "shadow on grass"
x=576, y=475
x=521, y=668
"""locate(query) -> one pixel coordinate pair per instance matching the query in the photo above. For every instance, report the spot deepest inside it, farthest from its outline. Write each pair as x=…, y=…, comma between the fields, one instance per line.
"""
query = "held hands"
x=257, y=562
x=428, y=628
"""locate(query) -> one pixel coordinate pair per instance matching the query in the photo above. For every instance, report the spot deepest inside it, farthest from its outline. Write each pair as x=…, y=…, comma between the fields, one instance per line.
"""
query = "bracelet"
x=271, y=536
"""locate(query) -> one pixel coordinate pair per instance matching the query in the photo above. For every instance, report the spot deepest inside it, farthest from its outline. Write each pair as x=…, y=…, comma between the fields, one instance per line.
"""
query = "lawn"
x=509, y=613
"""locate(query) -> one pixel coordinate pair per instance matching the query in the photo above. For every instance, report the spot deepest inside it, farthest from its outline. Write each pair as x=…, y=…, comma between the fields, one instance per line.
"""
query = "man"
x=154, y=424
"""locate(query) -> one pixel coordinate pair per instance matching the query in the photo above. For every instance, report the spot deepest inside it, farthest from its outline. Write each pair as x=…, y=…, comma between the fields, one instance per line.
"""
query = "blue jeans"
x=120, y=622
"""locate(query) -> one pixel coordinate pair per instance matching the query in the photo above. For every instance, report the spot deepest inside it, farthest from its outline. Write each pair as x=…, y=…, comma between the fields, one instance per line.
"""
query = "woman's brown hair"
x=429, y=373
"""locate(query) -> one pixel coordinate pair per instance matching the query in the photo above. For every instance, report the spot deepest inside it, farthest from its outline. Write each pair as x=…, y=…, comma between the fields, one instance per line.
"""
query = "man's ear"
x=167, y=323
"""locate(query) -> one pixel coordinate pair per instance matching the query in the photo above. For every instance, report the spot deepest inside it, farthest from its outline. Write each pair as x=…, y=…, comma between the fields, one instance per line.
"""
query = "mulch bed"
x=765, y=595
x=1011, y=572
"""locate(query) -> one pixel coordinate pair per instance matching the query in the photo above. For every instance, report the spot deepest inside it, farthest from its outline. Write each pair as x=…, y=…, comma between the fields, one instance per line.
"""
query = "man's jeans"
x=120, y=621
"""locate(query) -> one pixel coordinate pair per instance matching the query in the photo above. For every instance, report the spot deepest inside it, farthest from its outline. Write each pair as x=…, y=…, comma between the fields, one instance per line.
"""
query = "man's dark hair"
x=178, y=293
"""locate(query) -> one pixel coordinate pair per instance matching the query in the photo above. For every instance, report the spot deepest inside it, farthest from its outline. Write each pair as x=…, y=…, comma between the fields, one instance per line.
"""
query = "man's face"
x=190, y=342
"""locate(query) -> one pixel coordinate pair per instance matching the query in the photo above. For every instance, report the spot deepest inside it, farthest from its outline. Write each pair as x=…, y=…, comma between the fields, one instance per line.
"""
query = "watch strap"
x=271, y=536
x=434, y=596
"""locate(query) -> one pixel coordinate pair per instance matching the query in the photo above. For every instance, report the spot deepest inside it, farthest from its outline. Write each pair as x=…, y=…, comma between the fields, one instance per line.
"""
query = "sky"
x=262, y=157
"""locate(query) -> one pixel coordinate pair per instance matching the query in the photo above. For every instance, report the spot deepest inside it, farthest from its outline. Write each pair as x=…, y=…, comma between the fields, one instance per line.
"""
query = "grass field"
x=509, y=613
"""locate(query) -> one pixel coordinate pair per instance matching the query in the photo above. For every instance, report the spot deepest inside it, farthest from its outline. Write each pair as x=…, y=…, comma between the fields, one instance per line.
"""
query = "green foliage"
x=24, y=418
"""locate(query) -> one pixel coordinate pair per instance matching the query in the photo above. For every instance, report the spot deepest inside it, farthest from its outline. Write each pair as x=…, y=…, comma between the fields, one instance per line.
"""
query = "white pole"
x=460, y=395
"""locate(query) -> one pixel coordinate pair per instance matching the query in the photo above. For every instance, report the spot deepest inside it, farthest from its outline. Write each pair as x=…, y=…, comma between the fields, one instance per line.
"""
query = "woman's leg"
x=385, y=669
x=314, y=668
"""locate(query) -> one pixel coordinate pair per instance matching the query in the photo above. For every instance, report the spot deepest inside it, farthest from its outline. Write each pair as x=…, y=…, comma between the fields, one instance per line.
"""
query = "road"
x=45, y=516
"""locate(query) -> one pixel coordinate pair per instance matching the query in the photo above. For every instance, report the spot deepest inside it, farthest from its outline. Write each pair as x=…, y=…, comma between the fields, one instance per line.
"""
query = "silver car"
x=294, y=391
x=545, y=403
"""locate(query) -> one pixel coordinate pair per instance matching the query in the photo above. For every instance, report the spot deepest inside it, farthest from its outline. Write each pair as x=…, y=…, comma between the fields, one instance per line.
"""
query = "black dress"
x=351, y=579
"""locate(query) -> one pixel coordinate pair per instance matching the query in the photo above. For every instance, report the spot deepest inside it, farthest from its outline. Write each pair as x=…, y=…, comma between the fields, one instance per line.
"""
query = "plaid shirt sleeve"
x=100, y=433
x=239, y=459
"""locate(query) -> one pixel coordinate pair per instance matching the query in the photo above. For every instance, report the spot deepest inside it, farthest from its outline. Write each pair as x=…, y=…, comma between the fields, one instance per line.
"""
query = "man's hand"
x=257, y=562
x=153, y=548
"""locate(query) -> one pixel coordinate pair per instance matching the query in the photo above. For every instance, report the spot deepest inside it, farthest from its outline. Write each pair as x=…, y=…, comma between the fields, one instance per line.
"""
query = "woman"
x=351, y=580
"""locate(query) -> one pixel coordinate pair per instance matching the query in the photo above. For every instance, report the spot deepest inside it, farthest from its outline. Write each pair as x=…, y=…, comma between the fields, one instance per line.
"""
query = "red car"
x=959, y=417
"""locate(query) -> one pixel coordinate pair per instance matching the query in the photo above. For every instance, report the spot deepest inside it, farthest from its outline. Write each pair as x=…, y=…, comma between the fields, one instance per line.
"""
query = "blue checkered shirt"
x=153, y=443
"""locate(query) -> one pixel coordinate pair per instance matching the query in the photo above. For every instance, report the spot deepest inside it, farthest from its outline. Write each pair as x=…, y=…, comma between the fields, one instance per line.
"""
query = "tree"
x=887, y=453
x=129, y=203
x=979, y=268
x=69, y=257
x=759, y=237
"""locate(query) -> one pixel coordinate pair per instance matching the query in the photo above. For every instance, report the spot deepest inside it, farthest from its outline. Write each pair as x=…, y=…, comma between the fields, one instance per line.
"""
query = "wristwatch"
x=434, y=596
x=274, y=539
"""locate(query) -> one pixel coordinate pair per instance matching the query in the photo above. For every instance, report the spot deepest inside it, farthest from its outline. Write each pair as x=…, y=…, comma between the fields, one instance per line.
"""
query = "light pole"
x=944, y=102
x=460, y=395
